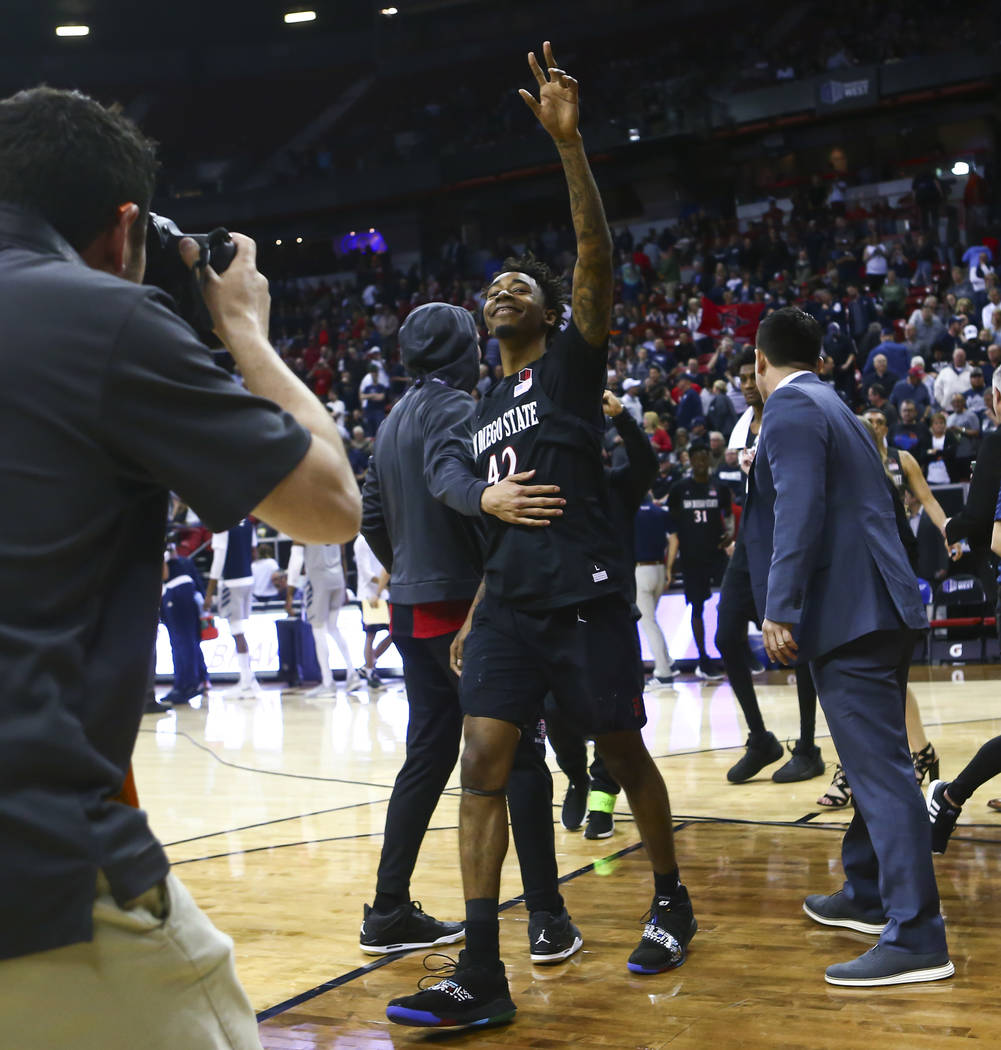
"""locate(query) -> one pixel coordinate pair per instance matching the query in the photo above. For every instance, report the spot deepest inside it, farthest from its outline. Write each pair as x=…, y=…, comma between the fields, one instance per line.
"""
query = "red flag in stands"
x=739, y=319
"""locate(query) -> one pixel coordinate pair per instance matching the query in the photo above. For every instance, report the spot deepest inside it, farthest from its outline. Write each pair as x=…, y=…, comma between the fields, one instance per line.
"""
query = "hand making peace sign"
x=556, y=106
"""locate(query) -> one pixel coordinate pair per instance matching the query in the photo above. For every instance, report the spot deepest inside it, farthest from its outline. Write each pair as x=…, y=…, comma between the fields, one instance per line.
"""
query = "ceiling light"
x=961, y=168
x=291, y=17
x=298, y=240
x=634, y=134
x=389, y=11
x=72, y=30
x=278, y=243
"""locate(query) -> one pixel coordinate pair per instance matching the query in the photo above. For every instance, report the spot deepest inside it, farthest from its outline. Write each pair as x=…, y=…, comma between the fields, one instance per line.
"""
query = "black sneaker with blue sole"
x=670, y=925
x=463, y=995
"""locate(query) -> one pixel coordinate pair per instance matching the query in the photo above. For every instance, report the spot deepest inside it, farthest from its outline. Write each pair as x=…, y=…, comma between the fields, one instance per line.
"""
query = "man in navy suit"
x=832, y=581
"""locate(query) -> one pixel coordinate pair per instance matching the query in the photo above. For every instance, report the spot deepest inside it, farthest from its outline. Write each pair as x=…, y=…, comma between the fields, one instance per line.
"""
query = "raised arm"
x=557, y=111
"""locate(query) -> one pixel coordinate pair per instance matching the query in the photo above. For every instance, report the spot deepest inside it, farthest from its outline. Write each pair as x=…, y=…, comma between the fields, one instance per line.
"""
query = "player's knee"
x=625, y=756
x=482, y=774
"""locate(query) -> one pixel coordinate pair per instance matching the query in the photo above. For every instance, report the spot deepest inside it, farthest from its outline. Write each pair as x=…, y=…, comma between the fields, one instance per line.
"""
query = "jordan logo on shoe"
x=542, y=938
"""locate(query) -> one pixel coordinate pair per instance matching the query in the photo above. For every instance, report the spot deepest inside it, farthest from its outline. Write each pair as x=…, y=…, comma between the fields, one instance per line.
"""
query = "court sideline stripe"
x=276, y=820
x=272, y=772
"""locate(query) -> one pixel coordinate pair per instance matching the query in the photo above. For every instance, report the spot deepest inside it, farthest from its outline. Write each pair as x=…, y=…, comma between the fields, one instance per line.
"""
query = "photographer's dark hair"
x=73, y=162
x=551, y=283
x=790, y=337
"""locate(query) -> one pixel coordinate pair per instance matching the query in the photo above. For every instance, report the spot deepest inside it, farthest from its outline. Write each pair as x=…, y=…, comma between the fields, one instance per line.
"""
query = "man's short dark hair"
x=553, y=292
x=790, y=337
x=876, y=412
x=746, y=358
x=73, y=162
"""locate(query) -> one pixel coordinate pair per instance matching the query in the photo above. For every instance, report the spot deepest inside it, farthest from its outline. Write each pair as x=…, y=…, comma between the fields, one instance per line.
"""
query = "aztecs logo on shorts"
x=524, y=383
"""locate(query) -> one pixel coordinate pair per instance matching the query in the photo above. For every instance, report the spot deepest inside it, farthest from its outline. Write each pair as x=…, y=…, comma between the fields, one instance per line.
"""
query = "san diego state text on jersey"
x=506, y=425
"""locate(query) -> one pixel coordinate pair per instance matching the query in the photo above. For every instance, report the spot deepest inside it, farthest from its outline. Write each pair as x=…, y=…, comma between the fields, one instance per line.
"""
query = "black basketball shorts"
x=701, y=573
x=587, y=655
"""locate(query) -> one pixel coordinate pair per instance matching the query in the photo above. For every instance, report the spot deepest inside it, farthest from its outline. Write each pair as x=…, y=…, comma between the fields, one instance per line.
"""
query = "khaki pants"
x=157, y=975
x=650, y=580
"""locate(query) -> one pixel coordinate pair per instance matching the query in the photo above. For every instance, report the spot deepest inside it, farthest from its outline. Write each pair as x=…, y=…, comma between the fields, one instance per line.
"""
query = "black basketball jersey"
x=697, y=510
x=895, y=469
x=548, y=418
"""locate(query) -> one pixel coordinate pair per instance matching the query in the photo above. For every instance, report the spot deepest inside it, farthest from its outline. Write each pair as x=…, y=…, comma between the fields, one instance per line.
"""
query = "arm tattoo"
x=592, y=278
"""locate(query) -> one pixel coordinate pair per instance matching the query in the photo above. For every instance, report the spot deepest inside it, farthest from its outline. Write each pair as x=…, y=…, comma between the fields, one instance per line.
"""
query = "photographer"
x=109, y=402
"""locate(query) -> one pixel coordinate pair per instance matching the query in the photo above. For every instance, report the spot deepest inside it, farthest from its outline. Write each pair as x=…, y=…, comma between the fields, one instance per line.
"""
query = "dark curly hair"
x=553, y=289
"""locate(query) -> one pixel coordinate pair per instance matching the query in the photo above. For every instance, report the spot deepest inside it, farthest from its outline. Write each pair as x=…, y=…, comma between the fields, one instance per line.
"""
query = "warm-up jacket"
x=432, y=553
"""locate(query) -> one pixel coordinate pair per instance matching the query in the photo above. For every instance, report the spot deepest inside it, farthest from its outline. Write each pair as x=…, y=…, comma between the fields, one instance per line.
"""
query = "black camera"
x=167, y=270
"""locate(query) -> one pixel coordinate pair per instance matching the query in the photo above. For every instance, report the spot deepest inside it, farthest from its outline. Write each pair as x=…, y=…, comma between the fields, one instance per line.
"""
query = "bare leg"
x=630, y=763
x=485, y=765
x=916, y=738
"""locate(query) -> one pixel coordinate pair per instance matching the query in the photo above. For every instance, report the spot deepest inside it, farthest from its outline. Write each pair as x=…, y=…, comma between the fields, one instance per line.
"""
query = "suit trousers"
x=650, y=581
x=886, y=850
x=434, y=732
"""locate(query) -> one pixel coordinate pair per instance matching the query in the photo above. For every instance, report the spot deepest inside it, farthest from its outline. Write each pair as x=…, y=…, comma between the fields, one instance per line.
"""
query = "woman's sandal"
x=925, y=762
x=995, y=804
x=839, y=794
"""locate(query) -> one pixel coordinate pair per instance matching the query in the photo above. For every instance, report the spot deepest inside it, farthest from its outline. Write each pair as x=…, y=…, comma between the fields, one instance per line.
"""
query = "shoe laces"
x=437, y=971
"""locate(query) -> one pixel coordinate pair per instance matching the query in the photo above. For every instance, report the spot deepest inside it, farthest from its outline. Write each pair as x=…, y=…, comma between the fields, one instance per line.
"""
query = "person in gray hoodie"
x=434, y=557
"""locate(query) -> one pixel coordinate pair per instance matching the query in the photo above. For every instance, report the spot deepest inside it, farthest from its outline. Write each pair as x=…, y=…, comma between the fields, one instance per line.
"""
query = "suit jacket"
x=820, y=527
x=976, y=520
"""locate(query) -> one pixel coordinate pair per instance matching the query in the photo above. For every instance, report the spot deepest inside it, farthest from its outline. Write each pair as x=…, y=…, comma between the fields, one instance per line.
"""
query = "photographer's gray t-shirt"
x=108, y=402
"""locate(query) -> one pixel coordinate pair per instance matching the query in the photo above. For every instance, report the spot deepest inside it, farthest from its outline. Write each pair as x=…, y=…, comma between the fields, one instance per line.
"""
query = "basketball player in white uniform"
x=323, y=596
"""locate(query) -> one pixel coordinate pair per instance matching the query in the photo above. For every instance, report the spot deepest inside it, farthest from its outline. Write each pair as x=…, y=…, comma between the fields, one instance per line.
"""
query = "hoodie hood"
x=440, y=341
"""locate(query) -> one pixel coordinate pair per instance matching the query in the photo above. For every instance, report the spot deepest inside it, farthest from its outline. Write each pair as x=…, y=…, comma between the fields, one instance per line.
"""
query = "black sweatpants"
x=736, y=609
x=434, y=733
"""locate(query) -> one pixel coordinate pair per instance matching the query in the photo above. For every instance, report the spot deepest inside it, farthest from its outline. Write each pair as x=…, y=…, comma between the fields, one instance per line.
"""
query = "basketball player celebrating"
x=232, y=555
x=703, y=518
x=547, y=590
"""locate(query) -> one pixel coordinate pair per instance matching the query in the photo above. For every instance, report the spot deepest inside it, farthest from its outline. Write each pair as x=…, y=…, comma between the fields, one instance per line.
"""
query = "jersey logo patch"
x=524, y=383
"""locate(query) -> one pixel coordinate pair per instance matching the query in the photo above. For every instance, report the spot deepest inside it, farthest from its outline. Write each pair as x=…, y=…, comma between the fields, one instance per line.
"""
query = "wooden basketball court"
x=272, y=812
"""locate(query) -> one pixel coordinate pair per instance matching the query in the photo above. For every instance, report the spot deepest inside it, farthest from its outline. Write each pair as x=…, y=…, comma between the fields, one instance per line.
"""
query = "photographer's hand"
x=238, y=299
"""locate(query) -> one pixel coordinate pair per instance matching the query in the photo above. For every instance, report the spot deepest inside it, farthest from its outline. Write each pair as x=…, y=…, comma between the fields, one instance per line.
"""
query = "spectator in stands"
x=953, y=379
x=993, y=361
x=667, y=475
x=894, y=296
x=728, y=473
x=928, y=329
x=940, y=457
x=861, y=311
x=717, y=448
x=993, y=306
x=878, y=372
x=877, y=399
x=659, y=437
x=689, y=403
x=976, y=396
x=373, y=393
x=961, y=287
x=925, y=258
x=269, y=580
x=963, y=422
x=914, y=389
x=359, y=453
x=898, y=355
x=910, y=434
x=631, y=399
x=721, y=416
x=874, y=256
